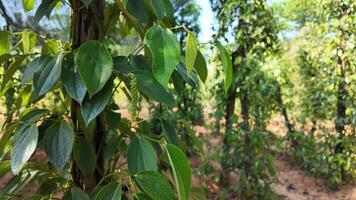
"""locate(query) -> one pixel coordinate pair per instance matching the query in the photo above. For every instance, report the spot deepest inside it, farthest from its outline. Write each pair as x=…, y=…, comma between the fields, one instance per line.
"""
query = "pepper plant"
x=94, y=153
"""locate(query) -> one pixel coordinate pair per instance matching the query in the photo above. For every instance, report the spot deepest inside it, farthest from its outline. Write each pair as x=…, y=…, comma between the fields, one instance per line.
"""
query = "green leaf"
x=4, y=57
x=165, y=50
x=86, y=2
x=28, y=41
x=190, y=51
x=4, y=42
x=155, y=185
x=32, y=67
x=17, y=183
x=111, y=147
x=11, y=70
x=91, y=108
x=95, y=65
x=84, y=156
x=112, y=191
x=72, y=82
x=51, y=47
x=25, y=41
x=113, y=116
x=25, y=143
x=150, y=87
x=169, y=132
x=45, y=9
x=58, y=143
x=33, y=115
x=138, y=9
x=76, y=193
x=158, y=8
x=197, y=193
x=47, y=76
x=181, y=171
x=36, y=197
x=142, y=196
x=200, y=66
x=227, y=64
x=28, y=5
x=141, y=156
x=5, y=167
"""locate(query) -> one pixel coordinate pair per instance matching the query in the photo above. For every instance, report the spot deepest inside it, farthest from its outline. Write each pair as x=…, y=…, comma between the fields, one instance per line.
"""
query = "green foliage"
x=227, y=64
x=25, y=142
x=111, y=191
x=316, y=153
x=84, y=156
x=141, y=156
x=94, y=54
x=165, y=50
x=255, y=168
x=58, y=143
x=181, y=171
x=155, y=185
x=190, y=52
x=81, y=129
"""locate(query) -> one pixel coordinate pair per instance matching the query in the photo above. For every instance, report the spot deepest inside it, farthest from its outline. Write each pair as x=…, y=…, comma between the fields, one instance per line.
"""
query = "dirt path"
x=294, y=184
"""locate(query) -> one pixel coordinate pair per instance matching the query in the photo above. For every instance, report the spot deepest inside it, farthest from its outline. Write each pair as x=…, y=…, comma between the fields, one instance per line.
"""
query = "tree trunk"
x=283, y=108
x=85, y=26
x=341, y=107
x=245, y=109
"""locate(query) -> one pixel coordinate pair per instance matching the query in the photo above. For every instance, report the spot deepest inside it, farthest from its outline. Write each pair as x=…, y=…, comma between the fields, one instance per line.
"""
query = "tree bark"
x=85, y=26
x=283, y=108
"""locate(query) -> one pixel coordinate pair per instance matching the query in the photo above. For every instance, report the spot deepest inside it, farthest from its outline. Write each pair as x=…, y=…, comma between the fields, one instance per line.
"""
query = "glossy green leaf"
x=169, y=9
x=86, y=2
x=155, y=185
x=191, y=50
x=47, y=76
x=28, y=5
x=201, y=67
x=4, y=42
x=227, y=65
x=138, y=9
x=169, y=132
x=76, y=193
x=112, y=191
x=25, y=143
x=32, y=67
x=33, y=115
x=25, y=41
x=51, y=47
x=141, y=156
x=95, y=65
x=72, y=82
x=158, y=8
x=11, y=70
x=58, y=143
x=181, y=171
x=92, y=107
x=84, y=156
x=150, y=87
x=165, y=50
x=192, y=78
x=45, y=9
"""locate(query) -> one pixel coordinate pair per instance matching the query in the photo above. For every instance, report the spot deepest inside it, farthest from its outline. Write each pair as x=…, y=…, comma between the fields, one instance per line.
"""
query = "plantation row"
x=119, y=99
